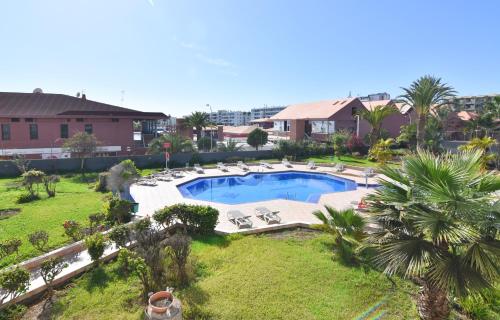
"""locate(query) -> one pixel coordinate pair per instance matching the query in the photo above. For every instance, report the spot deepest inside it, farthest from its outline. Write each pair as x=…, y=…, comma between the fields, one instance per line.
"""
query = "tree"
x=50, y=183
x=408, y=136
x=49, y=270
x=437, y=226
x=347, y=229
x=206, y=143
x=483, y=145
x=494, y=107
x=198, y=120
x=96, y=244
x=39, y=239
x=82, y=145
x=381, y=151
x=96, y=221
x=177, y=144
x=121, y=176
x=118, y=211
x=120, y=235
x=375, y=117
x=13, y=283
x=339, y=140
x=9, y=247
x=178, y=249
x=32, y=178
x=423, y=94
x=230, y=146
x=21, y=163
x=257, y=137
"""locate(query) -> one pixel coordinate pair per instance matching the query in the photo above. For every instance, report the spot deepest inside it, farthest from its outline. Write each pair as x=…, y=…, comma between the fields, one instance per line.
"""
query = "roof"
x=313, y=110
x=401, y=106
x=239, y=129
x=262, y=120
x=466, y=115
x=17, y=104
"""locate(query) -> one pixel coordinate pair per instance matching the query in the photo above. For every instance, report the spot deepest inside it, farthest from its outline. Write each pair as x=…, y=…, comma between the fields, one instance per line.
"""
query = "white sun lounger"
x=243, y=166
x=339, y=167
x=198, y=168
x=311, y=165
x=147, y=182
x=267, y=215
x=266, y=165
x=222, y=167
x=286, y=163
x=239, y=219
x=369, y=172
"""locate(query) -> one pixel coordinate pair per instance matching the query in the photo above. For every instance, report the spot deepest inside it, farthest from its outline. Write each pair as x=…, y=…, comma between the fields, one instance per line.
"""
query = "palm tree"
x=423, y=94
x=177, y=144
x=438, y=226
x=230, y=146
x=198, y=120
x=375, y=117
x=483, y=145
x=347, y=228
x=494, y=107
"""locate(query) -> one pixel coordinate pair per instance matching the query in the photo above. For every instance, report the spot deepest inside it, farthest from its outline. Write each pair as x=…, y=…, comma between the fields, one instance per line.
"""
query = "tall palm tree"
x=424, y=93
x=198, y=120
x=375, y=117
x=439, y=226
x=347, y=228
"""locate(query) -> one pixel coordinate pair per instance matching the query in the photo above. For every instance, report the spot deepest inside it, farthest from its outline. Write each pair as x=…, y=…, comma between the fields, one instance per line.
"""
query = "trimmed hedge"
x=201, y=219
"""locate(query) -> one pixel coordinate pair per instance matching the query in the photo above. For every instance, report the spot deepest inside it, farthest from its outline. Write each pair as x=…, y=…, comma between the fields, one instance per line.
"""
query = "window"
x=354, y=111
x=115, y=119
x=286, y=126
x=14, y=120
x=79, y=119
x=5, y=131
x=28, y=119
x=64, y=131
x=33, y=131
x=88, y=128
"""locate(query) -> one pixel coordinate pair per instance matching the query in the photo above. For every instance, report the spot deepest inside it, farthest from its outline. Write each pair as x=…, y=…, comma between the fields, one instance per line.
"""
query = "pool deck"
x=293, y=213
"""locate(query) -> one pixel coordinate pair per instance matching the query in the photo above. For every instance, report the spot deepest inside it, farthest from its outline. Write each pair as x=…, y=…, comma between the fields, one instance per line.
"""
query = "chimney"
x=84, y=97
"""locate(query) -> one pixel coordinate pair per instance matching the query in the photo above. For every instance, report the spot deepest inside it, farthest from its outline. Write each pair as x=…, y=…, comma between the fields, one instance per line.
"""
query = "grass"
x=75, y=200
x=254, y=277
x=347, y=160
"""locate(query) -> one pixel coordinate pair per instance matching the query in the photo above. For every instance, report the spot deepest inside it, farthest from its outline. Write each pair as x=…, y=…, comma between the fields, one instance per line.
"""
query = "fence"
x=9, y=169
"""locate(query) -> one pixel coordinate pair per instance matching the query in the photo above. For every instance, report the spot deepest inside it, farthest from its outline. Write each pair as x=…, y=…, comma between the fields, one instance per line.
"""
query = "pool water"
x=253, y=187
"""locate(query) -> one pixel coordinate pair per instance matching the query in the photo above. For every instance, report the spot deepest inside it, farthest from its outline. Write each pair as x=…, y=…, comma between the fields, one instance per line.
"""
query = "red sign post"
x=167, y=145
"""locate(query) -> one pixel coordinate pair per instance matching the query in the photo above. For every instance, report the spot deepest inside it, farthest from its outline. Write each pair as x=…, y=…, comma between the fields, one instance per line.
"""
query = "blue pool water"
x=298, y=186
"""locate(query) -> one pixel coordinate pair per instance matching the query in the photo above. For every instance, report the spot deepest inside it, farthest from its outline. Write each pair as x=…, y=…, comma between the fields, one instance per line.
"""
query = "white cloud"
x=214, y=61
x=151, y=2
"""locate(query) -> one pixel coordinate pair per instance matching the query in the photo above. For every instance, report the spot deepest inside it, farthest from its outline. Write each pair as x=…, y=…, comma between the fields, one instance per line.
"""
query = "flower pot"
x=160, y=302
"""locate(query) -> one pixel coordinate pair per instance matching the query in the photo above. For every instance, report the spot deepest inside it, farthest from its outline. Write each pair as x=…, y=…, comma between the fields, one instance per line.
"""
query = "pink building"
x=318, y=120
x=37, y=124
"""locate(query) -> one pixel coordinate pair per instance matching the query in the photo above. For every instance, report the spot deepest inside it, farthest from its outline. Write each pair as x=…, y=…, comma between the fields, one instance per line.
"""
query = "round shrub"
x=118, y=210
x=95, y=246
x=201, y=219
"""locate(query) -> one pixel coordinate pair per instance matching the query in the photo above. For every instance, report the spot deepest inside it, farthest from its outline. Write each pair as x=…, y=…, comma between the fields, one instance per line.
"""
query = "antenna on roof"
x=350, y=95
x=78, y=94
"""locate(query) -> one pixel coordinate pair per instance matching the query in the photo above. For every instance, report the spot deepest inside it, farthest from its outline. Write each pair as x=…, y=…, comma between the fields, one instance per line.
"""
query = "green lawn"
x=347, y=160
x=255, y=277
x=75, y=199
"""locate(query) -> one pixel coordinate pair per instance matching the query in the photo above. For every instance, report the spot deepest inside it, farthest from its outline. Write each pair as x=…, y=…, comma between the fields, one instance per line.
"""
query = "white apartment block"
x=470, y=103
x=376, y=97
x=265, y=112
x=230, y=118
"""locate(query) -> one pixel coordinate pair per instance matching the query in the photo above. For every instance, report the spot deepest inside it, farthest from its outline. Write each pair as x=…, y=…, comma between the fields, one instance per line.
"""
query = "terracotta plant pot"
x=159, y=296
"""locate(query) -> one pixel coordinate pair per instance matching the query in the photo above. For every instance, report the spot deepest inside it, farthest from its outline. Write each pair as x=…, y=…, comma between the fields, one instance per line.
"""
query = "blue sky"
x=177, y=56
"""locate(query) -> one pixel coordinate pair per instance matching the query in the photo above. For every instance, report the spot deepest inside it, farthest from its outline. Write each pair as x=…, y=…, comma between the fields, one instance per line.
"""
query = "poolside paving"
x=293, y=213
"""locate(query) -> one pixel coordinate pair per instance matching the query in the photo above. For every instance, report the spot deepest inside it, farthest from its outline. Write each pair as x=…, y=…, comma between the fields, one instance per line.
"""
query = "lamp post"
x=211, y=129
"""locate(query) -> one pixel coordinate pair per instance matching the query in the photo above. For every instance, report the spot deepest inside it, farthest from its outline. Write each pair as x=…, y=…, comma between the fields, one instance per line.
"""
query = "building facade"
x=37, y=124
x=230, y=118
x=470, y=103
x=376, y=97
x=265, y=112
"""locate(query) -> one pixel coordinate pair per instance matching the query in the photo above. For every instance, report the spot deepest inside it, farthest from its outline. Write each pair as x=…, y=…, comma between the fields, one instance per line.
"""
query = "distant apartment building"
x=470, y=103
x=265, y=112
x=376, y=97
x=230, y=118
x=37, y=124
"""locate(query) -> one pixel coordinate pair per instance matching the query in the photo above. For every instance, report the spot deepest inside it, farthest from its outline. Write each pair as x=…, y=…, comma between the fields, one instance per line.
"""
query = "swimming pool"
x=253, y=187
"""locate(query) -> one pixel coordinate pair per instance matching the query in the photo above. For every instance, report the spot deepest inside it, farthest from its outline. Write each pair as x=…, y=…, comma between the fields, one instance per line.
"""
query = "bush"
x=125, y=261
x=50, y=183
x=120, y=235
x=206, y=144
x=198, y=218
x=39, y=240
x=118, y=211
x=9, y=247
x=179, y=247
x=27, y=197
x=49, y=270
x=101, y=185
x=95, y=222
x=13, y=283
x=355, y=144
x=96, y=244
x=300, y=149
x=73, y=230
x=257, y=137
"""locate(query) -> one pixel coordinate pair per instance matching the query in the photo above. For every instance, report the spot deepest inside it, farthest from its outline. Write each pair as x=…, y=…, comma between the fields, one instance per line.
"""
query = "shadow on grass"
x=213, y=240
x=193, y=299
x=98, y=279
x=86, y=178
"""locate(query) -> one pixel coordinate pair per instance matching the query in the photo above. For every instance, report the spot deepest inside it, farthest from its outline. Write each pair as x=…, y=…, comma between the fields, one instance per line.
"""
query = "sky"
x=178, y=56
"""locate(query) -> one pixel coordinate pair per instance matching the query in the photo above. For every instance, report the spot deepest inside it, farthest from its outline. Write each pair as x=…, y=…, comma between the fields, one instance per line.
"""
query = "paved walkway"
x=153, y=198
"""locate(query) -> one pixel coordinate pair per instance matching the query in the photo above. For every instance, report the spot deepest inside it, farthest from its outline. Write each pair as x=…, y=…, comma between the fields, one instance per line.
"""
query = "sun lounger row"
x=266, y=165
x=286, y=163
x=242, y=166
x=243, y=221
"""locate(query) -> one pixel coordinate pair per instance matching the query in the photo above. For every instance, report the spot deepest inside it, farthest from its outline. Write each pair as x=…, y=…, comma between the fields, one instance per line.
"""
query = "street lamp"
x=211, y=129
